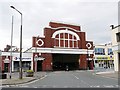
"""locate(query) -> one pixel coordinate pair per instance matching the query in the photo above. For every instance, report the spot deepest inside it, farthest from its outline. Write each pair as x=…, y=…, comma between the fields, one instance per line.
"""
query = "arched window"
x=65, y=39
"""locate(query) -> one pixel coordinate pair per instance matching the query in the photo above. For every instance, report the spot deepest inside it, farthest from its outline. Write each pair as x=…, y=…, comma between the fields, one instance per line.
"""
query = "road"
x=72, y=79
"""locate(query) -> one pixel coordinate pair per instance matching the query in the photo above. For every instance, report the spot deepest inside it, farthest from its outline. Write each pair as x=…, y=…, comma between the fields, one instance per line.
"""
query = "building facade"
x=11, y=60
x=62, y=45
x=0, y=60
x=27, y=63
x=103, y=56
x=115, y=31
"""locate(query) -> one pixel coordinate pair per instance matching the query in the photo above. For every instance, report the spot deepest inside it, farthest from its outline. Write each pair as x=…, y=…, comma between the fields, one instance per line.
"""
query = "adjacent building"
x=7, y=60
x=0, y=60
x=103, y=56
x=115, y=31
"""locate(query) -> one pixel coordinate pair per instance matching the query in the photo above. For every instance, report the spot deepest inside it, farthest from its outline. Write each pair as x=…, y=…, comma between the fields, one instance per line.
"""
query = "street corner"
x=111, y=75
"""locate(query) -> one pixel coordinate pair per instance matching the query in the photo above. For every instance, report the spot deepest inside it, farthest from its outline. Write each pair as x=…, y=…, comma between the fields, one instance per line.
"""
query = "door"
x=39, y=65
x=6, y=67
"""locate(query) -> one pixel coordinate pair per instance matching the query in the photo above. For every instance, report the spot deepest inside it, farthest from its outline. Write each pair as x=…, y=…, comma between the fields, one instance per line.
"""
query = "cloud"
x=94, y=17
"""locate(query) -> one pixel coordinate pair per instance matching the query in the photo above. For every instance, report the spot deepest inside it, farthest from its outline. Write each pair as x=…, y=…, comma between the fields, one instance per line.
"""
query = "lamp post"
x=36, y=56
x=36, y=59
x=11, y=49
x=20, y=63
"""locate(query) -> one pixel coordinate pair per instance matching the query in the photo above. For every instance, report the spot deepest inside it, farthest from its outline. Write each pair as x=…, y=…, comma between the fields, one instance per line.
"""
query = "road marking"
x=35, y=87
x=76, y=77
x=5, y=86
x=95, y=86
x=81, y=80
x=117, y=85
x=23, y=86
x=65, y=86
x=108, y=86
x=43, y=77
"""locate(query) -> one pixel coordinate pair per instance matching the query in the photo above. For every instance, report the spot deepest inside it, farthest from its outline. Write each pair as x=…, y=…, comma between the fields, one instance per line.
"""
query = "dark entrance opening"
x=39, y=65
x=61, y=61
x=6, y=67
x=90, y=65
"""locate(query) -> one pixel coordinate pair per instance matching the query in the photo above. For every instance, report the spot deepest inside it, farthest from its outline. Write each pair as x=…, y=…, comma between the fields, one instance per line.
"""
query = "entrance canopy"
x=61, y=50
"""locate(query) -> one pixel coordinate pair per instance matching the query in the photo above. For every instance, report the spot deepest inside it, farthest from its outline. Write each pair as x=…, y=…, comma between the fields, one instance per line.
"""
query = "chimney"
x=112, y=26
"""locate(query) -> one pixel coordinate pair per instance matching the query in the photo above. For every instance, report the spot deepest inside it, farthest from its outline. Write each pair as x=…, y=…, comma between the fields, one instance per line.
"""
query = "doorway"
x=61, y=61
x=6, y=67
x=39, y=65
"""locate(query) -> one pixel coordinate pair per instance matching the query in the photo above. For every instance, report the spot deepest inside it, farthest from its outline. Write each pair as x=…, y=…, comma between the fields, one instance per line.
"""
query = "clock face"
x=39, y=42
x=88, y=45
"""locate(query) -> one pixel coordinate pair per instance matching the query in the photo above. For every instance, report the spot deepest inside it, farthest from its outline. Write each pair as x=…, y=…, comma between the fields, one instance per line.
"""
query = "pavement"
x=110, y=73
x=15, y=78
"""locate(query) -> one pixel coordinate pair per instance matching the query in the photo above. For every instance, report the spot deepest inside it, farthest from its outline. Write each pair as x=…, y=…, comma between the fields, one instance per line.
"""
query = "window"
x=99, y=51
x=65, y=39
x=110, y=52
x=118, y=37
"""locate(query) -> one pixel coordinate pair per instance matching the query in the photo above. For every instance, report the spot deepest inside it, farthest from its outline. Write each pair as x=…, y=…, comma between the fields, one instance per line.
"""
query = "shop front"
x=26, y=62
x=104, y=62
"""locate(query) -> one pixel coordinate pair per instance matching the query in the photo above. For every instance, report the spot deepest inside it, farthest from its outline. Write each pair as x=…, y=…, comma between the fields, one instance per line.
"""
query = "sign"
x=6, y=60
x=24, y=58
x=88, y=45
x=39, y=58
x=35, y=58
x=39, y=42
x=105, y=58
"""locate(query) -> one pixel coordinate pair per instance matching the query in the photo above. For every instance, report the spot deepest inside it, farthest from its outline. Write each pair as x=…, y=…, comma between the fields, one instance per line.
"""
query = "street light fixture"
x=20, y=63
x=88, y=45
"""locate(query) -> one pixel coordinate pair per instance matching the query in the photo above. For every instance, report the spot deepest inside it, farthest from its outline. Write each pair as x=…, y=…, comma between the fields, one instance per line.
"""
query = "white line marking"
x=108, y=86
x=76, y=77
x=117, y=85
x=94, y=86
x=65, y=86
x=81, y=80
x=43, y=77
x=35, y=87
x=23, y=86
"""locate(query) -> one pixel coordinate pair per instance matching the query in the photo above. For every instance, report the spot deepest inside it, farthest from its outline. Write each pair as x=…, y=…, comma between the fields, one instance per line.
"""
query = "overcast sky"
x=94, y=17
